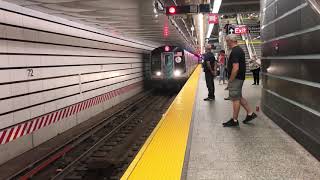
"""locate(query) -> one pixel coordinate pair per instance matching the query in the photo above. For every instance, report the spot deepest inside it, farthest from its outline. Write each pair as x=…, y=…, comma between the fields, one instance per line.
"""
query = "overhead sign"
x=180, y=16
x=173, y=10
x=204, y=8
x=238, y=29
x=241, y=29
x=231, y=29
x=188, y=9
x=213, y=18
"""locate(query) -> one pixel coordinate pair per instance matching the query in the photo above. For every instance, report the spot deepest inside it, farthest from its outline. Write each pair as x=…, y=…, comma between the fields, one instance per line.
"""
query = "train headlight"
x=158, y=73
x=177, y=72
x=178, y=59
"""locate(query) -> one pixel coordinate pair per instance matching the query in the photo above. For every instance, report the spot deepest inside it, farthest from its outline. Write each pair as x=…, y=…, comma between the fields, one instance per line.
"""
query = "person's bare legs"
x=236, y=109
x=244, y=103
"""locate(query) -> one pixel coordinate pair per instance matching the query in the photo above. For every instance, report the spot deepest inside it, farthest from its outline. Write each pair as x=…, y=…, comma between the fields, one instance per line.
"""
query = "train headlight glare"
x=178, y=59
x=158, y=73
x=177, y=73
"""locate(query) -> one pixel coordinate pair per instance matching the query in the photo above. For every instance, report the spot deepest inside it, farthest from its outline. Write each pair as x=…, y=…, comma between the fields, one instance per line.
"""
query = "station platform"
x=190, y=142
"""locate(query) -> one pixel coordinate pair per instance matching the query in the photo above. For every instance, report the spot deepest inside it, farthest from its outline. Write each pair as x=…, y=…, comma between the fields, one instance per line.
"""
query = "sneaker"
x=226, y=88
x=250, y=118
x=230, y=123
x=254, y=84
x=208, y=99
x=227, y=98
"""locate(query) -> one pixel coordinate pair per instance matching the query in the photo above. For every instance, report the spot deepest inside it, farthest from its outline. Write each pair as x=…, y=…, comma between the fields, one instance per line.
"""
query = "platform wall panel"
x=290, y=68
x=55, y=74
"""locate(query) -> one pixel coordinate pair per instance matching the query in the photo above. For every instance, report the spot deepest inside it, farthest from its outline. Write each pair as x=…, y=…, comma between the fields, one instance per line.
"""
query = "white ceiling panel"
x=134, y=19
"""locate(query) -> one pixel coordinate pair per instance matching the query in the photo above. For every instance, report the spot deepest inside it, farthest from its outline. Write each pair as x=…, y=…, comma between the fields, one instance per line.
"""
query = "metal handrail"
x=240, y=21
x=248, y=39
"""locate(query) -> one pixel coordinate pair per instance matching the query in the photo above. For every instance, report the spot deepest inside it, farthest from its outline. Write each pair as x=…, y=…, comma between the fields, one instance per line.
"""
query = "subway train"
x=171, y=66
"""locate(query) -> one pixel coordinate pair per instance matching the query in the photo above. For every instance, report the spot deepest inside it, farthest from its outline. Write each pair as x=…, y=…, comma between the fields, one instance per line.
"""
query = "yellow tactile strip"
x=162, y=155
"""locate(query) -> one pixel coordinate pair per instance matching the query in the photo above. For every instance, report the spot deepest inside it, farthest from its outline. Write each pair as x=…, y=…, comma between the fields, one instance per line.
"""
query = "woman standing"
x=222, y=59
x=254, y=66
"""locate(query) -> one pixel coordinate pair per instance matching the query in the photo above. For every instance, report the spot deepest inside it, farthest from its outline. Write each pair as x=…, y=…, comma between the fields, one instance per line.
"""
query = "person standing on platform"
x=222, y=59
x=254, y=65
x=237, y=73
x=226, y=27
x=209, y=72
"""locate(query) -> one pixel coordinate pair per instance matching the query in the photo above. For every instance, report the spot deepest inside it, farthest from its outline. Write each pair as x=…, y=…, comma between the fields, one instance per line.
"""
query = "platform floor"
x=260, y=150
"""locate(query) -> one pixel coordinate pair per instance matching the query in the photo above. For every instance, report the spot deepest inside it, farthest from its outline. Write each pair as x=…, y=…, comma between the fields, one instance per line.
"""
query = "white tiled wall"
x=60, y=57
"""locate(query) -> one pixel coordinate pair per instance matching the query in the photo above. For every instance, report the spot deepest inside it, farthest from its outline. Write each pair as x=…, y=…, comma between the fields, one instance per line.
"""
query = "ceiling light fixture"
x=216, y=8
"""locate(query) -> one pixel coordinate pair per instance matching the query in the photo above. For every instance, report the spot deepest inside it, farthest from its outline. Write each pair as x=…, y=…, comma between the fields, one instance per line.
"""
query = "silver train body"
x=171, y=66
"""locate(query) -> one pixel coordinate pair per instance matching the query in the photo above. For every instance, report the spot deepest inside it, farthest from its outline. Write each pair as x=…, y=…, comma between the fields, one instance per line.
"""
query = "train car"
x=171, y=66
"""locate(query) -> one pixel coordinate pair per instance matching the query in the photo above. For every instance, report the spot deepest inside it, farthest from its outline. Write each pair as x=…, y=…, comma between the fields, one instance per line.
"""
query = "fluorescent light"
x=216, y=7
x=200, y=19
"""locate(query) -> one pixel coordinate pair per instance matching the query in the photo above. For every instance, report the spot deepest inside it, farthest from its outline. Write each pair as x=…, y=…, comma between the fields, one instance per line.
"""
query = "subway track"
x=105, y=150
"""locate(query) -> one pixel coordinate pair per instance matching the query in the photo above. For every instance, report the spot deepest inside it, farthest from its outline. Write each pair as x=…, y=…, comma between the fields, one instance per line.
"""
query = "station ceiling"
x=135, y=19
x=239, y=6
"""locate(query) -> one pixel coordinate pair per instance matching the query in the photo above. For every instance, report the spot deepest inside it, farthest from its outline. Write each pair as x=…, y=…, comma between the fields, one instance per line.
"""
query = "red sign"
x=213, y=18
x=241, y=29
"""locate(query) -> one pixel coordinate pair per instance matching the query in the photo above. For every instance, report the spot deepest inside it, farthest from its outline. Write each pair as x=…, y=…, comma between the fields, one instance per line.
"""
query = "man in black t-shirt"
x=237, y=74
x=209, y=72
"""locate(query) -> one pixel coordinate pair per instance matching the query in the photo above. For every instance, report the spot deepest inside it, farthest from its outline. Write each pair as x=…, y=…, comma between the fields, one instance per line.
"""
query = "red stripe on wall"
x=92, y=102
x=2, y=136
x=55, y=116
x=51, y=118
x=60, y=114
x=71, y=110
x=75, y=107
x=36, y=124
x=42, y=121
x=17, y=132
x=10, y=134
x=30, y=126
x=48, y=119
x=108, y=96
x=67, y=112
x=88, y=104
x=24, y=129
x=78, y=108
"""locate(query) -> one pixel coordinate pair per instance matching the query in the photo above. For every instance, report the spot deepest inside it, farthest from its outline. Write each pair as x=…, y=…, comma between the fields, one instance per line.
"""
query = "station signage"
x=240, y=29
x=213, y=18
x=188, y=9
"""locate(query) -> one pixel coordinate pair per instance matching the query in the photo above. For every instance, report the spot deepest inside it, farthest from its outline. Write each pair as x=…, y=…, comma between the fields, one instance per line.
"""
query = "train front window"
x=167, y=58
x=155, y=63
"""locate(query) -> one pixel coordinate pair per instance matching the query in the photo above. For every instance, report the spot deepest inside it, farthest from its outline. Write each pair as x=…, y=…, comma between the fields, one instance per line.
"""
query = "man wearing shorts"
x=236, y=73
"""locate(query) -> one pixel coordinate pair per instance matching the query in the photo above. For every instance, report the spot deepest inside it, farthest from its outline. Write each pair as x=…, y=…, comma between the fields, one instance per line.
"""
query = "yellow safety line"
x=162, y=155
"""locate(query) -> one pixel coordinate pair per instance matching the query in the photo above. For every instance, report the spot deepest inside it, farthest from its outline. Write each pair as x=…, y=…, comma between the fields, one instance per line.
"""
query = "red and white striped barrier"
x=29, y=126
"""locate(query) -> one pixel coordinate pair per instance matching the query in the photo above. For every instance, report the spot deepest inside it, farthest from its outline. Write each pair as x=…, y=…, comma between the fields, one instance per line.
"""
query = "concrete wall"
x=291, y=64
x=55, y=74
